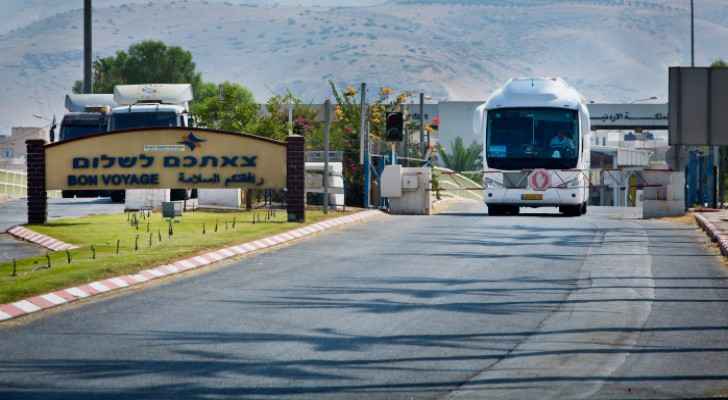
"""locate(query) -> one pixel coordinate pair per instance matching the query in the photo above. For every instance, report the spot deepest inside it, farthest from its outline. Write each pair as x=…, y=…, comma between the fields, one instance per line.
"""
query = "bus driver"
x=562, y=143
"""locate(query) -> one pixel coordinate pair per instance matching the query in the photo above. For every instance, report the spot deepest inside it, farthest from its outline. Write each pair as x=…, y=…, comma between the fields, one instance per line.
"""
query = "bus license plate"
x=531, y=196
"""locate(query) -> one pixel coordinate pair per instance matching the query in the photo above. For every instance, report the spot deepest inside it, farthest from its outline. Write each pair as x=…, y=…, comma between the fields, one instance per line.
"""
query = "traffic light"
x=395, y=127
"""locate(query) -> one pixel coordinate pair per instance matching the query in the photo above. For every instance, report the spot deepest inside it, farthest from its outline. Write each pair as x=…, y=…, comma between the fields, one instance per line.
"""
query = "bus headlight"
x=571, y=184
x=490, y=183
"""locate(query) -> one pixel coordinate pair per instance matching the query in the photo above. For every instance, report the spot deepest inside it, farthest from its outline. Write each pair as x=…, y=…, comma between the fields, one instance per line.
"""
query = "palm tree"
x=462, y=158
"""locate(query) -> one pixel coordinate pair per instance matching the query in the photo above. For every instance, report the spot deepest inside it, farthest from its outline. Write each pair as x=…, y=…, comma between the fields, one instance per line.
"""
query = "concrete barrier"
x=145, y=199
x=219, y=197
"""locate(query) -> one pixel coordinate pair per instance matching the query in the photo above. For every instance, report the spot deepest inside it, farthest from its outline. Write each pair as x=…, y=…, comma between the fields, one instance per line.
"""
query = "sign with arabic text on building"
x=166, y=158
x=628, y=116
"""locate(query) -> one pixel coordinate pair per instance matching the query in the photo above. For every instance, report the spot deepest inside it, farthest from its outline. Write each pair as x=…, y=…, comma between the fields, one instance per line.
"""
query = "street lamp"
x=51, y=124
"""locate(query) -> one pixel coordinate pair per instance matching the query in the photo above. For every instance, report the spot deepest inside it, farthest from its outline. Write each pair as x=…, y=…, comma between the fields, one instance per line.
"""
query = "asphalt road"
x=16, y=213
x=455, y=306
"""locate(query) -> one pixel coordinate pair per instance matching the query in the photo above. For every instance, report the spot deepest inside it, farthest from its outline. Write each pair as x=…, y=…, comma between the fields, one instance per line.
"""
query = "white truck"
x=88, y=114
x=151, y=106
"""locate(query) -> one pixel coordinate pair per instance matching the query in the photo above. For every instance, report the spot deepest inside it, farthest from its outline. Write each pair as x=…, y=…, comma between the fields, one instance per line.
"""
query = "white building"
x=13, y=148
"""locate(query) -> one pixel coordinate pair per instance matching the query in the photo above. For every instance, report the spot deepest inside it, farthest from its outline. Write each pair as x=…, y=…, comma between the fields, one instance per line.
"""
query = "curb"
x=39, y=239
x=50, y=300
x=713, y=233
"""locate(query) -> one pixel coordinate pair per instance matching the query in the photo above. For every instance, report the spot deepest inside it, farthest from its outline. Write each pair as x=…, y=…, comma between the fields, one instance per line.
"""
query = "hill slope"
x=613, y=50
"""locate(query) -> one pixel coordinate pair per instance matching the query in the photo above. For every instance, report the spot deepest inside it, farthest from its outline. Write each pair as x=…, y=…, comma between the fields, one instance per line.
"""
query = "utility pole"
x=692, y=33
x=423, y=149
x=327, y=128
x=364, y=142
x=87, y=47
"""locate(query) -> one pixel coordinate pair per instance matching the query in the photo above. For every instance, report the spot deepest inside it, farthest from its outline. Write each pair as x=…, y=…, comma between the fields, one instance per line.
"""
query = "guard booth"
x=163, y=158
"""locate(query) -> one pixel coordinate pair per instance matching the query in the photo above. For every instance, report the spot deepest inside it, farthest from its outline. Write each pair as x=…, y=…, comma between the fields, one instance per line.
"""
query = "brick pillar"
x=37, y=195
x=295, y=179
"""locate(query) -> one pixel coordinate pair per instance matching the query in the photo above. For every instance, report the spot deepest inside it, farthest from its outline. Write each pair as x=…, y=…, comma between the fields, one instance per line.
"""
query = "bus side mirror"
x=478, y=117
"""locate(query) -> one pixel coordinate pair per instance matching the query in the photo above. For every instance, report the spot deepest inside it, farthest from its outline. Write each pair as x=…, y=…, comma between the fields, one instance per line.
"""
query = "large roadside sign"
x=166, y=158
x=698, y=104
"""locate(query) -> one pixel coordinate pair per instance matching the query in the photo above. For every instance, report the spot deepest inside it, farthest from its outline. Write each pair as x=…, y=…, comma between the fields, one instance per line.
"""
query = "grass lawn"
x=101, y=232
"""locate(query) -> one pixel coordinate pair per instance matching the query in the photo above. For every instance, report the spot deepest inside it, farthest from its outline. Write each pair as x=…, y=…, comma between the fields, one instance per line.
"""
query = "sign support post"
x=364, y=159
x=327, y=127
x=295, y=179
x=37, y=195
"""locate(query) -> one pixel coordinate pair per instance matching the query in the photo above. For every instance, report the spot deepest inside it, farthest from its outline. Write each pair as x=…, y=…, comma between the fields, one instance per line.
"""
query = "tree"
x=461, y=158
x=348, y=120
x=274, y=123
x=719, y=63
x=150, y=61
x=229, y=107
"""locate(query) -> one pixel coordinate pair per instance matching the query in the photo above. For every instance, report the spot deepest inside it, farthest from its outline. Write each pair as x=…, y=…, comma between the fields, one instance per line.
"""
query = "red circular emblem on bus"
x=540, y=179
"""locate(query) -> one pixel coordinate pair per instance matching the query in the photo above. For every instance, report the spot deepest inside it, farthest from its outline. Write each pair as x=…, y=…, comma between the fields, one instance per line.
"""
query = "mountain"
x=611, y=50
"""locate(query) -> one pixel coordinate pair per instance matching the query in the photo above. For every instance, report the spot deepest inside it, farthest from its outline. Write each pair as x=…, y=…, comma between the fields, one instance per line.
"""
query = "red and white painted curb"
x=40, y=239
x=54, y=299
x=714, y=233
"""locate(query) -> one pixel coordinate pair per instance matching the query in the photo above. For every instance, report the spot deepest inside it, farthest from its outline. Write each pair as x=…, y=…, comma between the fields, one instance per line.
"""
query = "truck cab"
x=88, y=114
x=79, y=124
x=152, y=106
x=143, y=115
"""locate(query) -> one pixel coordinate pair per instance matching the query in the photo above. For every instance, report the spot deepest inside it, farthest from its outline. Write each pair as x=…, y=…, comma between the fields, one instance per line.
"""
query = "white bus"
x=536, y=149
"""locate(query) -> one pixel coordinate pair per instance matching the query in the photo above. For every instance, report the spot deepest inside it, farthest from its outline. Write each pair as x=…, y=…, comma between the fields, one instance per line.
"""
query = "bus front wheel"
x=571, y=210
x=496, y=210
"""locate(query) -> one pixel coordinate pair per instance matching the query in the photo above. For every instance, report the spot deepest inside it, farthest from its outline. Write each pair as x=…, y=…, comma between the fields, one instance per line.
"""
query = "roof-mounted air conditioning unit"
x=89, y=102
x=178, y=94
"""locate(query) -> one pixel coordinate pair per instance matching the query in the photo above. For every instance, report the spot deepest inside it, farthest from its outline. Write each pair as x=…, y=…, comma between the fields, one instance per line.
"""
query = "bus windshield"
x=134, y=120
x=77, y=131
x=526, y=138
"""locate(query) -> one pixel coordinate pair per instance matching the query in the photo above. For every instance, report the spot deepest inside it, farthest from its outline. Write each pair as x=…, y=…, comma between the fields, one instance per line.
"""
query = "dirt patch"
x=687, y=219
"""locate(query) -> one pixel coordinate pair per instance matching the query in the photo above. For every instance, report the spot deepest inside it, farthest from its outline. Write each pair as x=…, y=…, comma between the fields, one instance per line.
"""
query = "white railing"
x=13, y=184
